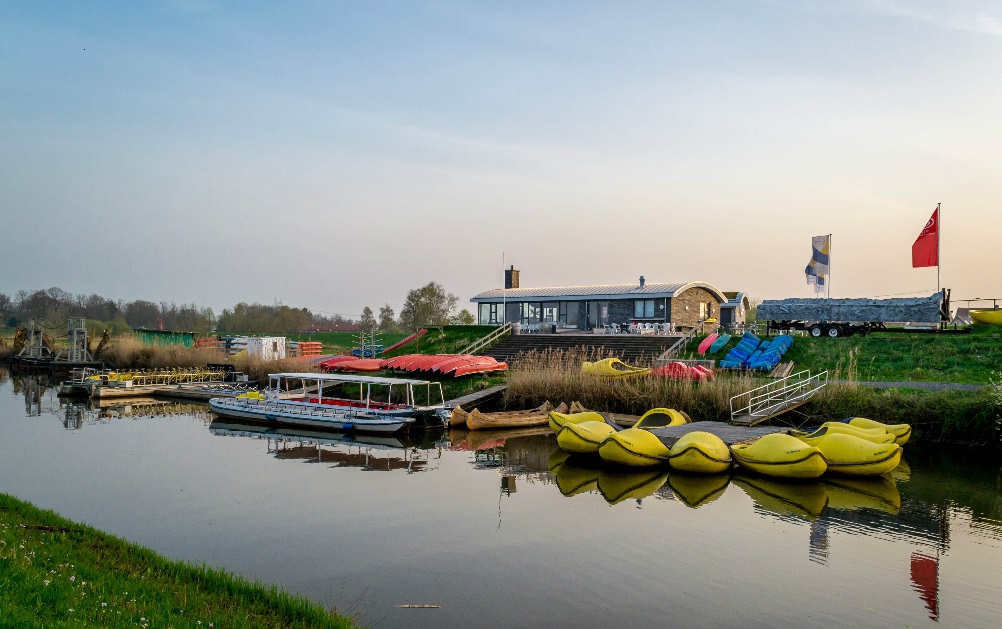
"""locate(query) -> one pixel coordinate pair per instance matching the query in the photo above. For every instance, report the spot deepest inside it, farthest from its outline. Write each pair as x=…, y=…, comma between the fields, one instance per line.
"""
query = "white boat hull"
x=312, y=415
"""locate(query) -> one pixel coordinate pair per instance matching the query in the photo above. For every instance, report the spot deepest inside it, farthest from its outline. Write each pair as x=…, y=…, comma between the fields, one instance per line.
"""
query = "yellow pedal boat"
x=616, y=487
x=700, y=452
x=901, y=432
x=612, y=368
x=993, y=317
x=811, y=438
x=782, y=456
x=635, y=447
x=583, y=438
x=558, y=419
x=697, y=491
x=847, y=454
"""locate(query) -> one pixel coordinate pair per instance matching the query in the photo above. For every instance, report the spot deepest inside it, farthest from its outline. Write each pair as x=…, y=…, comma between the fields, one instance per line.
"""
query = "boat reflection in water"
x=695, y=491
x=377, y=452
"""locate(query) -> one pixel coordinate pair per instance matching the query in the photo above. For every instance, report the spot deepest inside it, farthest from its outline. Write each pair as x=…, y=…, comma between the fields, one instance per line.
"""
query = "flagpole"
x=504, y=292
x=829, y=280
x=939, y=250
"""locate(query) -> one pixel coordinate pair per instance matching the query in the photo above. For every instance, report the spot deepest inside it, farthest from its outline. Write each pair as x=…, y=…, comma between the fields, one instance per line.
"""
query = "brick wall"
x=691, y=298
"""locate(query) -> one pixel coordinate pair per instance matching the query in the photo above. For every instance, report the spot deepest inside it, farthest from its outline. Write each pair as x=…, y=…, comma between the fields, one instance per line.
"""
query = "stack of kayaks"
x=901, y=432
x=736, y=358
x=612, y=368
x=768, y=353
x=680, y=371
x=706, y=343
x=446, y=364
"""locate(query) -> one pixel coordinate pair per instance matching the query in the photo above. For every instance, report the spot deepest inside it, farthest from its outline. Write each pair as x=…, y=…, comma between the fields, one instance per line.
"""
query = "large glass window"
x=530, y=312
x=491, y=314
x=573, y=312
x=550, y=311
x=643, y=309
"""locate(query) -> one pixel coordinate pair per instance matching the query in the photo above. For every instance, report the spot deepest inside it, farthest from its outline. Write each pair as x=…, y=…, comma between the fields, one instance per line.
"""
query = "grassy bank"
x=54, y=573
x=893, y=357
x=973, y=417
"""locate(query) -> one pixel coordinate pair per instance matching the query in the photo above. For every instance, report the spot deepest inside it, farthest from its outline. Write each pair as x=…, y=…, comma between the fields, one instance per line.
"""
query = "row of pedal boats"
x=854, y=447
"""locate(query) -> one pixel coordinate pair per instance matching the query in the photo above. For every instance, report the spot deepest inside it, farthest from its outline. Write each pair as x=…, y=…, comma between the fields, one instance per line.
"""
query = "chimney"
x=641, y=281
x=511, y=277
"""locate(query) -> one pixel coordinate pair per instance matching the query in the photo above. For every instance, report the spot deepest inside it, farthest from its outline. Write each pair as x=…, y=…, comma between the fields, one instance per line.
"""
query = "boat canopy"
x=332, y=377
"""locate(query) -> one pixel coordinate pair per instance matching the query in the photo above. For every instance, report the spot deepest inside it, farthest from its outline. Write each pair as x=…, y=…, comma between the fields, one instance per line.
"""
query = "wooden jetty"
x=469, y=402
x=728, y=433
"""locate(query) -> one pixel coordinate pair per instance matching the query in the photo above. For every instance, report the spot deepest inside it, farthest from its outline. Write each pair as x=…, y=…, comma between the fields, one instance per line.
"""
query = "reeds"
x=128, y=353
x=556, y=375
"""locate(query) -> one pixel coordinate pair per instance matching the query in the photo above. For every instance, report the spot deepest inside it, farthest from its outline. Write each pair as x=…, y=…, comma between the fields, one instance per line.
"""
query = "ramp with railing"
x=773, y=399
x=485, y=341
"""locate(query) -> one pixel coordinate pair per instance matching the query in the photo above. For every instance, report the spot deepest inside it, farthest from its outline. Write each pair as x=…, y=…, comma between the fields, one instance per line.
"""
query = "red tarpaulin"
x=925, y=250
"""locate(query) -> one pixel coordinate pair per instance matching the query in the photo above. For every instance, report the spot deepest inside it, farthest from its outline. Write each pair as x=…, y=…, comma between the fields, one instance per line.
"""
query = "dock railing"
x=489, y=339
x=775, y=398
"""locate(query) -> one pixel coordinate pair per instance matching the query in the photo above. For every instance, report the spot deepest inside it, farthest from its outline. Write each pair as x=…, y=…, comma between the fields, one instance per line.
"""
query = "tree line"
x=424, y=306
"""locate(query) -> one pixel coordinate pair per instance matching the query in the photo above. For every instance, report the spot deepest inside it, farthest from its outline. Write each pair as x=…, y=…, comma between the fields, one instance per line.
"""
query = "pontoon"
x=340, y=402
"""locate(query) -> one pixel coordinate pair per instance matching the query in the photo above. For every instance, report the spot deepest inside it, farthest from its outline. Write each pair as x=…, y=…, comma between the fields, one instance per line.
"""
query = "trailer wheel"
x=816, y=331
x=834, y=331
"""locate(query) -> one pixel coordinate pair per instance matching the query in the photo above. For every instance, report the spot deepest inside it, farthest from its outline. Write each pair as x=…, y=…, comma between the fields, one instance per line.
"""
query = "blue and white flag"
x=818, y=266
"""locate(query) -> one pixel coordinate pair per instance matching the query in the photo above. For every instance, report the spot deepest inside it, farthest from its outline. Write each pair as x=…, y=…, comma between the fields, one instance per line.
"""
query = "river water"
x=504, y=531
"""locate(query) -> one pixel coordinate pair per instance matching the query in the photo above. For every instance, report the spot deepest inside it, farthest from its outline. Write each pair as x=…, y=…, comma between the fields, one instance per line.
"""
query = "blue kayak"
x=718, y=345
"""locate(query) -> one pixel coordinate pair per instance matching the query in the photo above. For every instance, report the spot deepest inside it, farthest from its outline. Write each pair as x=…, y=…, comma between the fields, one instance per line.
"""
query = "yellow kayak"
x=782, y=456
x=878, y=493
x=783, y=498
x=901, y=432
x=847, y=454
x=661, y=417
x=993, y=317
x=811, y=438
x=573, y=479
x=696, y=491
x=700, y=452
x=616, y=487
x=583, y=438
x=612, y=368
x=635, y=447
x=557, y=420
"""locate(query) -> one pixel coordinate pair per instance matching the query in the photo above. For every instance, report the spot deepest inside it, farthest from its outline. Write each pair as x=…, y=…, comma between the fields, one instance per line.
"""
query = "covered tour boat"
x=340, y=402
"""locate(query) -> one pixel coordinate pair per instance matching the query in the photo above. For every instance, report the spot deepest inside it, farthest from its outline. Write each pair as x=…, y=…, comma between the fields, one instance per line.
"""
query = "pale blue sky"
x=334, y=155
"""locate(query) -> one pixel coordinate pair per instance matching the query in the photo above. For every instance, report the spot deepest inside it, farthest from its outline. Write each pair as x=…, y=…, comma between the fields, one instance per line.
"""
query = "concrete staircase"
x=631, y=348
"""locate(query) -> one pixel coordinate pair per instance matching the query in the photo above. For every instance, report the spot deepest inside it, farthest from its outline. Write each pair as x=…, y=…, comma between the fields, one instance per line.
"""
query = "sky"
x=334, y=155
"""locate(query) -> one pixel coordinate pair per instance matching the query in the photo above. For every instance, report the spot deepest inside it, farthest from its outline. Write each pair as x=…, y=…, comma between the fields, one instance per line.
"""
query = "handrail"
x=488, y=339
x=676, y=348
x=769, y=399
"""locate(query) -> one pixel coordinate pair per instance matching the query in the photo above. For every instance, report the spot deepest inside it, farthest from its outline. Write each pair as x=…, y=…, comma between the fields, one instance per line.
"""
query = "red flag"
x=925, y=250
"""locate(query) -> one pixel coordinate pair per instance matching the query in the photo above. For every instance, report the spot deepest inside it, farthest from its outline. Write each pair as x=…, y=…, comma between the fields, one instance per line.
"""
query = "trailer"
x=844, y=317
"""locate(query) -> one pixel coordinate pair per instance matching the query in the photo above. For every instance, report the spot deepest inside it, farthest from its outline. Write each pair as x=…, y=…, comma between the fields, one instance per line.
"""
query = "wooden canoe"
x=510, y=419
x=459, y=416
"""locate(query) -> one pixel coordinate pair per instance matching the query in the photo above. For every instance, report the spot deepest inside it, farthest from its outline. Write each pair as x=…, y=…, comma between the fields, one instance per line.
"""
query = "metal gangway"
x=768, y=401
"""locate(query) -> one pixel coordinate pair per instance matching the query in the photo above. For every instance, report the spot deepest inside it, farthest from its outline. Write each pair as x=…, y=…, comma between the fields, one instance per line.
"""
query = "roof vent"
x=641, y=281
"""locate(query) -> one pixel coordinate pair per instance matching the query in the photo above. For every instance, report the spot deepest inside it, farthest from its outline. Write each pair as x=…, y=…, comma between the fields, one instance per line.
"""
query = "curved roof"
x=734, y=299
x=597, y=291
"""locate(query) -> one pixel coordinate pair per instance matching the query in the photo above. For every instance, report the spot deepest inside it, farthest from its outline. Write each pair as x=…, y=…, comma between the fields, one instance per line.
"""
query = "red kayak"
x=362, y=365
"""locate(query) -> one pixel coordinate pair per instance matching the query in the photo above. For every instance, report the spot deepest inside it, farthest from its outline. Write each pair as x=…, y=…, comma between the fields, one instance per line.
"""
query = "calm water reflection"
x=503, y=529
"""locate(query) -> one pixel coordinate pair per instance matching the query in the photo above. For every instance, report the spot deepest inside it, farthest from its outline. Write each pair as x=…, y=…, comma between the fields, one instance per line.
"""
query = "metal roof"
x=734, y=299
x=332, y=377
x=597, y=291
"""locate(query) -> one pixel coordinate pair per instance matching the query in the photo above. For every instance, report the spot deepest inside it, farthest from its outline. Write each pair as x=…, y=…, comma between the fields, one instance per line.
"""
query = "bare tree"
x=428, y=305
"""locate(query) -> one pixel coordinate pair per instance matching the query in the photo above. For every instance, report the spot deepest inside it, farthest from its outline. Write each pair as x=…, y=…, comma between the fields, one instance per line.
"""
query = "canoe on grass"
x=509, y=419
x=612, y=368
x=719, y=344
x=706, y=343
x=780, y=455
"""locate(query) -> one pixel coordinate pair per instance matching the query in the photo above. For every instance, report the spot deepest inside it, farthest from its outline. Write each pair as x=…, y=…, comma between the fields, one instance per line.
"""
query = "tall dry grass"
x=557, y=376
x=258, y=370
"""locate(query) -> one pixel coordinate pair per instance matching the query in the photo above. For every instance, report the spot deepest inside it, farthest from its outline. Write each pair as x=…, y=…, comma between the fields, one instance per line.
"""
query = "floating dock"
x=728, y=434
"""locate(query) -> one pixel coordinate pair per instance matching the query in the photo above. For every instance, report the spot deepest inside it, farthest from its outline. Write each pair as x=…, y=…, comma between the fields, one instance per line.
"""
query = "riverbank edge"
x=56, y=572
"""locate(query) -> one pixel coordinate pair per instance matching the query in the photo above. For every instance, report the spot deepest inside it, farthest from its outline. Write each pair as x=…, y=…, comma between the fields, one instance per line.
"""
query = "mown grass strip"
x=57, y=573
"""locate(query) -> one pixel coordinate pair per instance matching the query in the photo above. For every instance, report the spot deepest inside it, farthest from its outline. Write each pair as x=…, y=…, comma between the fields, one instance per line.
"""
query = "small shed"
x=734, y=311
x=164, y=337
x=266, y=347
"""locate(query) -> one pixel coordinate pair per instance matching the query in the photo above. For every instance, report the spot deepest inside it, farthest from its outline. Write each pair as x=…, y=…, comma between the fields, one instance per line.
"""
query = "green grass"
x=447, y=339
x=893, y=357
x=57, y=573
